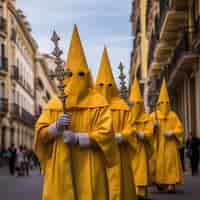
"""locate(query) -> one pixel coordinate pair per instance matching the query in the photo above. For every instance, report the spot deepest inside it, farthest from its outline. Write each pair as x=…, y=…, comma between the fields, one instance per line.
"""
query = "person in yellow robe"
x=168, y=170
x=89, y=136
x=121, y=179
x=144, y=132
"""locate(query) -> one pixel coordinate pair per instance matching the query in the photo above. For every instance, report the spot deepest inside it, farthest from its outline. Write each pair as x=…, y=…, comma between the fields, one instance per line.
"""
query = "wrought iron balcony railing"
x=15, y=110
x=4, y=64
x=3, y=25
x=28, y=118
x=3, y=105
x=15, y=73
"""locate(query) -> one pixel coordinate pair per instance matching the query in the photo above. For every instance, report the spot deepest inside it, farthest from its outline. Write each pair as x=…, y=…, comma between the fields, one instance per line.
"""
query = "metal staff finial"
x=60, y=74
x=122, y=77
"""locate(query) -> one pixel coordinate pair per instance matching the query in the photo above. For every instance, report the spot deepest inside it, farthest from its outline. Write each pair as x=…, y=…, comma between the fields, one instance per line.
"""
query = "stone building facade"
x=172, y=31
x=18, y=68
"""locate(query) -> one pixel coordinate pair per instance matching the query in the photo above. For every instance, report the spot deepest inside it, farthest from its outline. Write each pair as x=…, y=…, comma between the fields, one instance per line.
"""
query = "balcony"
x=172, y=19
x=182, y=61
x=3, y=26
x=3, y=65
x=28, y=118
x=15, y=111
x=3, y=105
x=15, y=73
x=173, y=16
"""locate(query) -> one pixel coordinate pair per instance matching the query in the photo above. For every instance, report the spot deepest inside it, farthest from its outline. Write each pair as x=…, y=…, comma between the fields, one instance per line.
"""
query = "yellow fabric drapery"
x=121, y=179
x=143, y=153
x=166, y=164
x=90, y=114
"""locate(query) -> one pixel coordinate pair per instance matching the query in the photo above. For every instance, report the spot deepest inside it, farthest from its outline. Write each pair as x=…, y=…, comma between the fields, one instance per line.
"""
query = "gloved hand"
x=57, y=128
x=70, y=137
x=155, y=124
x=168, y=134
x=140, y=135
x=119, y=138
x=83, y=140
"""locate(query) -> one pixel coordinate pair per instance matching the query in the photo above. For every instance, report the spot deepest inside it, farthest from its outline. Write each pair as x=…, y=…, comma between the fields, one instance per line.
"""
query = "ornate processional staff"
x=60, y=74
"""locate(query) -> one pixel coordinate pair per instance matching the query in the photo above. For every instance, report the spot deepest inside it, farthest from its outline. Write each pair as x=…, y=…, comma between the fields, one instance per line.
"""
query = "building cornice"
x=29, y=37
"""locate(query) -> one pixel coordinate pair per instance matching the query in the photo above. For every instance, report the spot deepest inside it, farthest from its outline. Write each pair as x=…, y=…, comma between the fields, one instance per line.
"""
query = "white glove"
x=70, y=137
x=83, y=140
x=140, y=135
x=57, y=128
x=168, y=134
x=119, y=138
x=155, y=124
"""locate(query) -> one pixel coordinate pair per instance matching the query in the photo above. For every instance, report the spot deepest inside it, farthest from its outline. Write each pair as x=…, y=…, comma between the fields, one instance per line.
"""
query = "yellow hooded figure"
x=169, y=137
x=144, y=132
x=88, y=133
x=121, y=180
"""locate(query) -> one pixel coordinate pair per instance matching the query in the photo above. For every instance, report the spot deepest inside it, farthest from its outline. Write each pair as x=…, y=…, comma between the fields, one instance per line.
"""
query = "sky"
x=100, y=22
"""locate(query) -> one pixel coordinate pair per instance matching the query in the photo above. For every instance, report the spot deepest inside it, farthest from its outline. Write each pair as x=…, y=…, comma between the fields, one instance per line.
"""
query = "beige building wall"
x=45, y=88
x=17, y=123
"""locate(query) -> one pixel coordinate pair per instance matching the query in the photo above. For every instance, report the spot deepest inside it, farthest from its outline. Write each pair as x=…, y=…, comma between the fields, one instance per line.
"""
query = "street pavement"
x=20, y=188
x=30, y=188
x=189, y=191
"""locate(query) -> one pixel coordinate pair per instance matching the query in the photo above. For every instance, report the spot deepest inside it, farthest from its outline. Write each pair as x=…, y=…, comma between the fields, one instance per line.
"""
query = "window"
x=2, y=89
x=14, y=96
x=2, y=50
x=1, y=11
x=3, y=137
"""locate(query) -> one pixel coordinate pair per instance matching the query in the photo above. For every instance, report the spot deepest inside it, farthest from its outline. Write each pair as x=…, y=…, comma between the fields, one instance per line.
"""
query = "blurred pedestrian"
x=193, y=144
x=12, y=158
x=26, y=160
x=20, y=161
x=182, y=155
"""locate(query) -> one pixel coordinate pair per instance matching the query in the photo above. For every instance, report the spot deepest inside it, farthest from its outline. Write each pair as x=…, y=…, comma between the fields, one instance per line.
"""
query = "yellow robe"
x=168, y=170
x=140, y=163
x=89, y=163
x=152, y=160
x=121, y=178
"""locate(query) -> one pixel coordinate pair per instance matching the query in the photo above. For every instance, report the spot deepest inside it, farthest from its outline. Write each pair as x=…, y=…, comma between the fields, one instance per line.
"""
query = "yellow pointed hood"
x=163, y=105
x=135, y=95
x=76, y=57
x=79, y=85
x=137, y=100
x=164, y=96
x=106, y=85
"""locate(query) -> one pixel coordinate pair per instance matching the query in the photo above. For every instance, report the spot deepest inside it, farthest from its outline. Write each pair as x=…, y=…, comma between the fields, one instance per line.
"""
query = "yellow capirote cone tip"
x=105, y=74
x=164, y=96
x=76, y=56
x=135, y=95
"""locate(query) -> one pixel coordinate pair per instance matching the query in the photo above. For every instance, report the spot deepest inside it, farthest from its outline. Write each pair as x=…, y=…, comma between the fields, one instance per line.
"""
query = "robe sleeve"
x=101, y=133
x=178, y=129
x=129, y=131
x=148, y=135
x=42, y=141
x=148, y=129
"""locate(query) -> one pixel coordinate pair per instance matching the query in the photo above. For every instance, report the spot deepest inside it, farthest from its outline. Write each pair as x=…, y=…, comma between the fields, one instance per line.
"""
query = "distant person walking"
x=12, y=158
x=20, y=161
x=193, y=145
x=26, y=160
